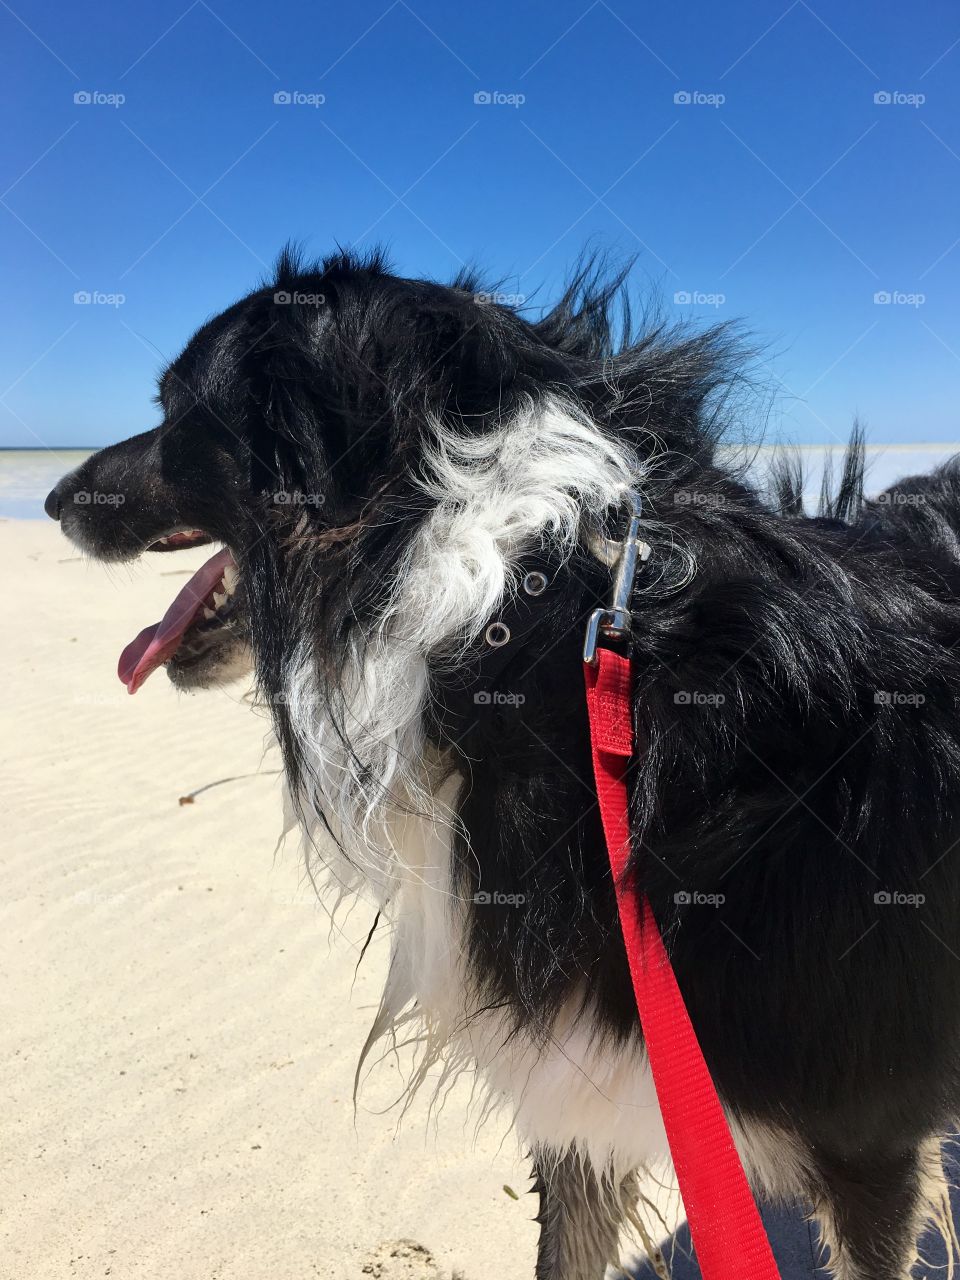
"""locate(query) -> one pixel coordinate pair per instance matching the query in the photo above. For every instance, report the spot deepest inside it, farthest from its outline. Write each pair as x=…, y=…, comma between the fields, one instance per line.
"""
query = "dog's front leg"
x=580, y=1216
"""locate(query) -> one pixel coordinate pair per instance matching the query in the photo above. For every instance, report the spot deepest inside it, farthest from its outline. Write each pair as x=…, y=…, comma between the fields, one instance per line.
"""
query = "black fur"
x=796, y=698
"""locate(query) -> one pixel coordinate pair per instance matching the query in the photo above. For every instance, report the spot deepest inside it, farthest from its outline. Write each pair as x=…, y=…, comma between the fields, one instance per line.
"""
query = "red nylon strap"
x=725, y=1226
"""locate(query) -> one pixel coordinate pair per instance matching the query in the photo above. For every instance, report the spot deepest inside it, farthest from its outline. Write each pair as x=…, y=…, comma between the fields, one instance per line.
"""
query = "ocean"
x=27, y=475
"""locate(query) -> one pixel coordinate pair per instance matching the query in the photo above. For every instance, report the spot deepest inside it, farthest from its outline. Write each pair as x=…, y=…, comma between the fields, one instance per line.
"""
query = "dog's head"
x=373, y=455
x=293, y=421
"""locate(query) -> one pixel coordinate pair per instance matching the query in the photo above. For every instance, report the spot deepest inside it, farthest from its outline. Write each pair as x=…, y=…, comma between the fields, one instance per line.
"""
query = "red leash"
x=727, y=1233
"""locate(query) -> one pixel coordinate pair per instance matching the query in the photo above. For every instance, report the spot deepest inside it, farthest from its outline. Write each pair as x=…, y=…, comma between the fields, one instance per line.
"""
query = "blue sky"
x=781, y=192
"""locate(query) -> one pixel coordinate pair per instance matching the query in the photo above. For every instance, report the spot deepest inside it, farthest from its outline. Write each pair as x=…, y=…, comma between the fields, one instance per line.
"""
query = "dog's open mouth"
x=199, y=626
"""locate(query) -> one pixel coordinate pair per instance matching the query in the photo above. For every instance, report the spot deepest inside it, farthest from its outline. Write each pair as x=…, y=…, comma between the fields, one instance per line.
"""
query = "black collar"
x=558, y=593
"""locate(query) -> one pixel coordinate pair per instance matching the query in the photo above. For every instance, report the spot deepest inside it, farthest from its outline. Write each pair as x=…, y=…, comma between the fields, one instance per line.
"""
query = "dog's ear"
x=405, y=348
x=354, y=367
x=464, y=357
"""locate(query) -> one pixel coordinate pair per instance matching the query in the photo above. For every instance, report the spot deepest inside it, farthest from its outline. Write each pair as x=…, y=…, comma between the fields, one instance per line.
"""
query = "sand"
x=180, y=1028
x=180, y=1023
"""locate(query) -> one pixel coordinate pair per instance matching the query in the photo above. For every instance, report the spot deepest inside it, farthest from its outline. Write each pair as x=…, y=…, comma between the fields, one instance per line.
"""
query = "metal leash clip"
x=614, y=622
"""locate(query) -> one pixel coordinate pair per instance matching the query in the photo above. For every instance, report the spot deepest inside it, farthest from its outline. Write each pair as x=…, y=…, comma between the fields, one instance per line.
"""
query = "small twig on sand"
x=239, y=777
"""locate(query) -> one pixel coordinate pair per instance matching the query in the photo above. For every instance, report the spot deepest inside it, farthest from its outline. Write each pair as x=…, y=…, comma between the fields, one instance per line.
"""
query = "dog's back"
x=922, y=510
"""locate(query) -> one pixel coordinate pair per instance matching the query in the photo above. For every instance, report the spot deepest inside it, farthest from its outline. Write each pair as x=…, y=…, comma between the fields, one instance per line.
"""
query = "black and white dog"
x=416, y=490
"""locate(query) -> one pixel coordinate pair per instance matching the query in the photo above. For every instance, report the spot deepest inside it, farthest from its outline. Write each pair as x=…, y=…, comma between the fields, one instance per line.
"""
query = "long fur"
x=795, y=802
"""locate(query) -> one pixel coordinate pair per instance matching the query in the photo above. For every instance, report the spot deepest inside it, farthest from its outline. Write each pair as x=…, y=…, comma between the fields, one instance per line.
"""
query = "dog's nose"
x=53, y=504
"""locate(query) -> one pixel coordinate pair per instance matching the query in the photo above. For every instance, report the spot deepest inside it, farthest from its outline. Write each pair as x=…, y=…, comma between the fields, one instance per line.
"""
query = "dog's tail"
x=921, y=510
x=840, y=500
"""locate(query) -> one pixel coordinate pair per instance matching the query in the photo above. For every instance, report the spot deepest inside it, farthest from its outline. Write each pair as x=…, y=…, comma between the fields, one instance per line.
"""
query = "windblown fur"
x=795, y=803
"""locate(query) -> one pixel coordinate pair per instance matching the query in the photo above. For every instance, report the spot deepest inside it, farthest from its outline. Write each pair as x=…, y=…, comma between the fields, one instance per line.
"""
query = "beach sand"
x=180, y=1024
x=180, y=1021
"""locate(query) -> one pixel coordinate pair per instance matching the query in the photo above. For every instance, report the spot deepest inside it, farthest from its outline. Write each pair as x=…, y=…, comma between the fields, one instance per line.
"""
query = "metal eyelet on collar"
x=535, y=583
x=497, y=635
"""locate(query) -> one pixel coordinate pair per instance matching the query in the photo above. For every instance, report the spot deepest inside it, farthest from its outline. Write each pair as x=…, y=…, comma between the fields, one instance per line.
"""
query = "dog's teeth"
x=219, y=599
x=208, y=613
x=230, y=579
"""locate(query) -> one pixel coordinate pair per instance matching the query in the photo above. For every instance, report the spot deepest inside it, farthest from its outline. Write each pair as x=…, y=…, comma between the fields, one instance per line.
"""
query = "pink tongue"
x=155, y=644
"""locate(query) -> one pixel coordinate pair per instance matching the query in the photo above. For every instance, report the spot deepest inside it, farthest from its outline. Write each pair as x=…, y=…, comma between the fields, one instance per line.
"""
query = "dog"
x=417, y=489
